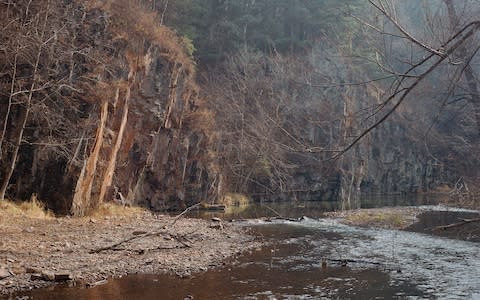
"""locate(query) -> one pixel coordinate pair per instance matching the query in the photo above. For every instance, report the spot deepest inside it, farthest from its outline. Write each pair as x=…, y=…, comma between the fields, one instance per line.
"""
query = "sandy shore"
x=39, y=252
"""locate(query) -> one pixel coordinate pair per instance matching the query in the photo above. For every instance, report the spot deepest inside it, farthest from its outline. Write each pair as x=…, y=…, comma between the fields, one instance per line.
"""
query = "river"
x=316, y=258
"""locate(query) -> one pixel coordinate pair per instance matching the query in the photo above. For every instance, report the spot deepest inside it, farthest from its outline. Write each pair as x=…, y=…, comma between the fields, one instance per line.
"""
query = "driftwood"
x=463, y=222
x=115, y=245
x=344, y=262
x=279, y=216
x=97, y=283
x=183, y=213
x=282, y=219
x=139, y=235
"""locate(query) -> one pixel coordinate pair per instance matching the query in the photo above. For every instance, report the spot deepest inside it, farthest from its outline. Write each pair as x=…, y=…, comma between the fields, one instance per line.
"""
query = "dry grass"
x=31, y=209
x=134, y=21
x=115, y=210
x=377, y=219
x=235, y=199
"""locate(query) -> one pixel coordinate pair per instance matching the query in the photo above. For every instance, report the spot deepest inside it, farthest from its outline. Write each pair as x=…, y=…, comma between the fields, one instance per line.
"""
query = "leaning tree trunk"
x=82, y=197
x=108, y=176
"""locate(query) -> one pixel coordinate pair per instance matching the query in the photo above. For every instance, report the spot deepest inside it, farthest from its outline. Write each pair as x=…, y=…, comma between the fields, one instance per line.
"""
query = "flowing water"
x=316, y=258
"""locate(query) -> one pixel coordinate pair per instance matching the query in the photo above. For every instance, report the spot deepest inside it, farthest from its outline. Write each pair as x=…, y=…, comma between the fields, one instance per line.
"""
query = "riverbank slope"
x=39, y=251
x=456, y=223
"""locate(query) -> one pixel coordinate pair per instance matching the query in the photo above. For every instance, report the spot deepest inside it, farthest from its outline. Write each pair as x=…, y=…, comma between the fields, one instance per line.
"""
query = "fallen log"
x=344, y=262
x=463, y=222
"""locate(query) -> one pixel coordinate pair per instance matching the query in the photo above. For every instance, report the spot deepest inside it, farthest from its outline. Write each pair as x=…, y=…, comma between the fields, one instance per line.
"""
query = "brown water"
x=316, y=209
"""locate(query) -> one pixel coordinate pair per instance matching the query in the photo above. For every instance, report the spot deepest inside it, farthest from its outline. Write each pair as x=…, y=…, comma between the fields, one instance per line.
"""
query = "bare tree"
x=41, y=40
x=435, y=56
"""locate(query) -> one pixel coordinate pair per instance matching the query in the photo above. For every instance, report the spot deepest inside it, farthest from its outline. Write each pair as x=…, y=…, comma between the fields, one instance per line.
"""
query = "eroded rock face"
x=135, y=130
x=162, y=163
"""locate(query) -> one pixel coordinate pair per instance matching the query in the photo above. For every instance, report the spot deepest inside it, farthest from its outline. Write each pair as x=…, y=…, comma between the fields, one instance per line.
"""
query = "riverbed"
x=315, y=258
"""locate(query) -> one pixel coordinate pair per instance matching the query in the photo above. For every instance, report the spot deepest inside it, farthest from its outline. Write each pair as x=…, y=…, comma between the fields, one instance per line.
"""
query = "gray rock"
x=4, y=273
x=48, y=276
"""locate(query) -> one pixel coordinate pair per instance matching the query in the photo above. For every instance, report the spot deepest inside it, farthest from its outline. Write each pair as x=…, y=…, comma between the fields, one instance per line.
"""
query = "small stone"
x=48, y=276
x=92, y=220
x=10, y=260
x=17, y=270
x=29, y=229
x=215, y=219
x=4, y=273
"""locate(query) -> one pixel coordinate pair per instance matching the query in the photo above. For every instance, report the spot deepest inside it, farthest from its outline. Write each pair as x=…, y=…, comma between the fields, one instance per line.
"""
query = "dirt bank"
x=462, y=224
x=36, y=252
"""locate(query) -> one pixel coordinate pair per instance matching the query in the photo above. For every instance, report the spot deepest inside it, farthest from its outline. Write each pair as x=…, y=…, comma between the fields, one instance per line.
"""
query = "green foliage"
x=189, y=46
x=221, y=27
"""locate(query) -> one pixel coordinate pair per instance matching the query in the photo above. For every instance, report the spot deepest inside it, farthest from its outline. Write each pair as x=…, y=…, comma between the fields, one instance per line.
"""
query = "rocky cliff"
x=117, y=116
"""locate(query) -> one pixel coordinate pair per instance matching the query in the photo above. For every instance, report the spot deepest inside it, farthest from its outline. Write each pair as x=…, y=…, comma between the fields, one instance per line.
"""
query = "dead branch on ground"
x=463, y=222
x=179, y=238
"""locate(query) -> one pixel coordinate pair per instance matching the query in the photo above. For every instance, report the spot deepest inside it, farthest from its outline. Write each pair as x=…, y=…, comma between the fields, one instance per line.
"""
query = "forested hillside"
x=166, y=103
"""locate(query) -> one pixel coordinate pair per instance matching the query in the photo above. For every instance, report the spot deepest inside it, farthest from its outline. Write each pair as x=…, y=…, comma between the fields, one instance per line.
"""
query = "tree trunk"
x=107, y=178
x=83, y=190
x=19, y=137
x=9, y=107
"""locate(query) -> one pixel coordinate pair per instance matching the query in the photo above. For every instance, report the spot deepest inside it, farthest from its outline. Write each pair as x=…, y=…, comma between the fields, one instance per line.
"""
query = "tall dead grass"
x=31, y=209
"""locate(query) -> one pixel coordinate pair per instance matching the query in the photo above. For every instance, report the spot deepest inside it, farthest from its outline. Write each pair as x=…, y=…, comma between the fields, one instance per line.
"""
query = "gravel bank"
x=40, y=252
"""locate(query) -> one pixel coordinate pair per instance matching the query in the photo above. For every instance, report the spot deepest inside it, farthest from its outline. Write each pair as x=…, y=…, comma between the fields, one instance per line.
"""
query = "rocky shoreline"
x=36, y=253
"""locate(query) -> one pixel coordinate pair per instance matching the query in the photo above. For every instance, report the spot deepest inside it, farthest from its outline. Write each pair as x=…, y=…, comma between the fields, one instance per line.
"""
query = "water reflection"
x=316, y=209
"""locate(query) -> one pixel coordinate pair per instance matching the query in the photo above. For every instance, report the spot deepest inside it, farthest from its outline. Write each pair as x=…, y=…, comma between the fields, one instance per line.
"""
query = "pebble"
x=29, y=229
x=78, y=237
x=4, y=273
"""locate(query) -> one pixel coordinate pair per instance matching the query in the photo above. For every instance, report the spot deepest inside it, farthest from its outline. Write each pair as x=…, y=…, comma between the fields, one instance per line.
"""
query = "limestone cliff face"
x=155, y=147
x=138, y=132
